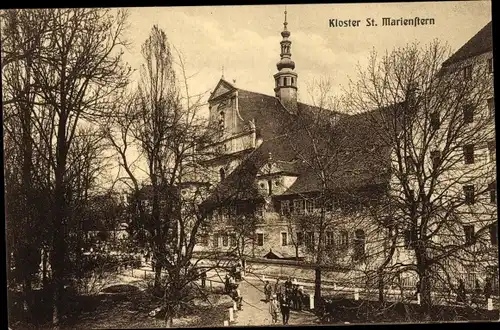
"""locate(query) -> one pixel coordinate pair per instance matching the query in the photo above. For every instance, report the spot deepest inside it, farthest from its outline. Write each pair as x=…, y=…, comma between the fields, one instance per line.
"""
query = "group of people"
x=283, y=298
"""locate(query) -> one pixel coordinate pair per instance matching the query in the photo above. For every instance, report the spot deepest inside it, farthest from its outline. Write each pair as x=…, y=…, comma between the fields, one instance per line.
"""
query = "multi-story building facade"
x=273, y=169
x=289, y=173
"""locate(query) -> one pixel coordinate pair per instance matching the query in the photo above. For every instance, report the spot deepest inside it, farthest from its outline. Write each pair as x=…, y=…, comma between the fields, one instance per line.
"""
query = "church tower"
x=286, y=78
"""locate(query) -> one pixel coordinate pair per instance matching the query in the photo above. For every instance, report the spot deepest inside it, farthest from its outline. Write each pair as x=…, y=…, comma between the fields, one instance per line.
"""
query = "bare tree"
x=436, y=121
x=158, y=133
x=69, y=61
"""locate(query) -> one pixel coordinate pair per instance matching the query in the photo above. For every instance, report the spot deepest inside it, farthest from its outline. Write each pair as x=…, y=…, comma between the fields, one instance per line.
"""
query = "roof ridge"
x=457, y=56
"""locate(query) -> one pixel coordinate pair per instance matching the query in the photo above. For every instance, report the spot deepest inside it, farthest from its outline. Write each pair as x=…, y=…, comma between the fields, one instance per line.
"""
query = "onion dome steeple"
x=286, y=78
x=286, y=45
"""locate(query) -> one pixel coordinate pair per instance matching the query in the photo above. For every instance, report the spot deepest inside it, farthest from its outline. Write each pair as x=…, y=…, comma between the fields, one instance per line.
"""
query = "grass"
x=126, y=306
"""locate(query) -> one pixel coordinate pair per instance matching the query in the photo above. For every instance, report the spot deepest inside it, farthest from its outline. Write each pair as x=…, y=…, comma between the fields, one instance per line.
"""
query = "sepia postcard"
x=250, y=165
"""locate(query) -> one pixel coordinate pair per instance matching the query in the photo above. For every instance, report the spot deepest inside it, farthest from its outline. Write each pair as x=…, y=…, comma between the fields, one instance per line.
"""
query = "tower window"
x=293, y=81
x=410, y=167
x=260, y=239
x=435, y=120
x=435, y=157
x=222, y=120
x=469, y=154
x=284, y=240
x=491, y=106
x=286, y=81
x=494, y=233
x=492, y=187
x=467, y=72
x=222, y=173
x=492, y=150
x=469, y=194
x=469, y=234
x=329, y=238
x=468, y=113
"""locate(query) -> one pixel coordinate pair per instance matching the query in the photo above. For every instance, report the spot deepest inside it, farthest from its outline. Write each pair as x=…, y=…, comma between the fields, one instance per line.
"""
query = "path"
x=255, y=312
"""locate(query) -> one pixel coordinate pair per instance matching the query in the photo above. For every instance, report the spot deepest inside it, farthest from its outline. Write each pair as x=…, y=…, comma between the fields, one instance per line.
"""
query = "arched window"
x=222, y=120
x=222, y=173
x=293, y=81
x=359, y=244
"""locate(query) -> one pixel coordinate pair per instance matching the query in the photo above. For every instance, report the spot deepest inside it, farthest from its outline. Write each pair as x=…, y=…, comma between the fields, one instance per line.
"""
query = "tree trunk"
x=158, y=269
x=424, y=276
x=380, y=286
x=28, y=296
x=317, y=287
x=44, y=268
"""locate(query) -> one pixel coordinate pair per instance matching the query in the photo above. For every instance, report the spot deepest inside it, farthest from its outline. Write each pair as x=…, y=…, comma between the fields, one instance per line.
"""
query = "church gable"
x=222, y=88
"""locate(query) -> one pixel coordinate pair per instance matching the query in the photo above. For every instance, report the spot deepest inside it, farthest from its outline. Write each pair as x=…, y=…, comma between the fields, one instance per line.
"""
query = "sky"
x=245, y=39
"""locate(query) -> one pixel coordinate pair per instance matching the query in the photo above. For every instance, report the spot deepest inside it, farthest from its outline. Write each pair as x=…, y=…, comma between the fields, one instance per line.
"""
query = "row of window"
x=286, y=81
x=225, y=239
x=469, y=193
x=410, y=237
x=470, y=234
x=467, y=70
x=301, y=206
x=468, y=114
x=468, y=154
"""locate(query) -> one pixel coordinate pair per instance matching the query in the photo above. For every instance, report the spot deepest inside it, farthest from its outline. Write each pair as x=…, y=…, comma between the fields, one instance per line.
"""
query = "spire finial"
x=285, y=23
x=222, y=72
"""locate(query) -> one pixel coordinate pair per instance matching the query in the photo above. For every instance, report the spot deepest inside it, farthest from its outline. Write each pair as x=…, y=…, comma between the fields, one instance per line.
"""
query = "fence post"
x=418, y=298
x=490, y=304
x=226, y=323
x=356, y=294
x=311, y=301
x=231, y=314
x=234, y=305
x=132, y=271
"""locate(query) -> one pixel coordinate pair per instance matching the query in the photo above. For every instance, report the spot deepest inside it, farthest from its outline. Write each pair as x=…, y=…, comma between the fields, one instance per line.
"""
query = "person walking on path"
x=273, y=309
x=267, y=291
x=237, y=297
x=285, y=308
x=278, y=289
x=300, y=297
x=461, y=295
x=295, y=297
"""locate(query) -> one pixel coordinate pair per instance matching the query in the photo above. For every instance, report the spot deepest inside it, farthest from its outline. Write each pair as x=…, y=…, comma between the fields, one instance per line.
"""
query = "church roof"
x=348, y=143
x=480, y=43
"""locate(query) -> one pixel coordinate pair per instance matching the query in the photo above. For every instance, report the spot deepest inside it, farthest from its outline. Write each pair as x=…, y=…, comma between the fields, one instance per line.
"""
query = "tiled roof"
x=479, y=44
x=350, y=145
